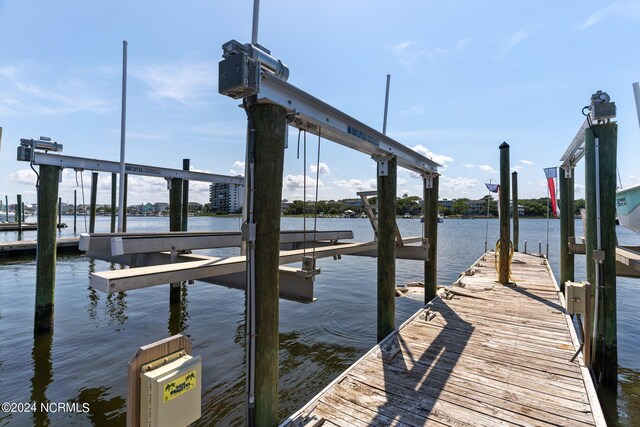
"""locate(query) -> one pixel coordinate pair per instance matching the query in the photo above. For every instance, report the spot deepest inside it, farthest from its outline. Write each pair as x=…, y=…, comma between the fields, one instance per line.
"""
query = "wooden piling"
x=94, y=198
x=6, y=205
x=387, y=249
x=46, y=255
x=269, y=122
x=114, y=197
x=18, y=212
x=503, y=271
x=567, y=226
x=516, y=215
x=75, y=211
x=430, y=212
x=186, y=164
x=59, y=214
x=175, y=224
x=605, y=362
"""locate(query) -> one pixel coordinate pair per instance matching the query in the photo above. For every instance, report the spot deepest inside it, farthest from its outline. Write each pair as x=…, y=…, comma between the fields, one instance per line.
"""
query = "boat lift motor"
x=26, y=150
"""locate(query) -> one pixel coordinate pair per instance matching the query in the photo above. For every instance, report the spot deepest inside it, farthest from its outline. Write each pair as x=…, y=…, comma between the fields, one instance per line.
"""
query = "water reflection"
x=42, y=375
x=103, y=411
x=179, y=313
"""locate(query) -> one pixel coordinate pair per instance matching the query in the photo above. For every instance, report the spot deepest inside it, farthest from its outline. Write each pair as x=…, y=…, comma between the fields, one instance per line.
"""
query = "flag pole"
x=548, y=199
x=486, y=232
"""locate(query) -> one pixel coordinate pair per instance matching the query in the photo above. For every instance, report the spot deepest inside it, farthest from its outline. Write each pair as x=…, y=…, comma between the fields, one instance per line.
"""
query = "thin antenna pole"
x=386, y=105
x=636, y=93
x=123, y=121
x=256, y=16
x=548, y=199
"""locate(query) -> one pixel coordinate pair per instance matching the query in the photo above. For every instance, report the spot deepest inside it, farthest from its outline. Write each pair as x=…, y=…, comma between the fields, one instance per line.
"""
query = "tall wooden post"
x=75, y=211
x=503, y=271
x=567, y=227
x=430, y=212
x=269, y=122
x=175, y=224
x=124, y=207
x=18, y=212
x=94, y=199
x=387, y=185
x=6, y=205
x=46, y=255
x=514, y=203
x=605, y=363
x=186, y=164
x=114, y=197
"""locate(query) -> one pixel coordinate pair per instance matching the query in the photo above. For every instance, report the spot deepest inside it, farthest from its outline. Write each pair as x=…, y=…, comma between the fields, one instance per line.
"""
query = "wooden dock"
x=479, y=354
x=28, y=247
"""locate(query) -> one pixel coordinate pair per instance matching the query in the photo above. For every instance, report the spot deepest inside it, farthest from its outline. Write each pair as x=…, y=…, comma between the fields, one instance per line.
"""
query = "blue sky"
x=466, y=76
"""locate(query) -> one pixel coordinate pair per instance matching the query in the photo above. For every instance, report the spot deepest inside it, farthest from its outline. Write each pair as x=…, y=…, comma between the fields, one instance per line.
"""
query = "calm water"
x=85, y=359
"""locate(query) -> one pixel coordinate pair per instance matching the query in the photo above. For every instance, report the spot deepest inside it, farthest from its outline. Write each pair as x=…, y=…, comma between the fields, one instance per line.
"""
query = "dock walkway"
x=22, y=248
x=479, y=354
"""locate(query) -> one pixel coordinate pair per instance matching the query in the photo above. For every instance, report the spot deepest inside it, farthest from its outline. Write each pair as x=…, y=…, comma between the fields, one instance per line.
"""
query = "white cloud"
x=402, y=181
x=410, y=51
x=185, y=81
x=355, y=185
x=296, y=182
x=324, y=169
x=487, y=168
x=517, y=168
x=238, y=168
x=518, y=37
x=468, y=165
x=527, y=162
x=438, y=158
x=629, y=9
x=458, y=187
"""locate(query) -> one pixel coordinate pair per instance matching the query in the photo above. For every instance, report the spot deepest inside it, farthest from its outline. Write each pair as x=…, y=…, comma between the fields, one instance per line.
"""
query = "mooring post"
x=46, y=248
x=567, y=227
x=503, y=271
x=94, y=198
x=386, y=245
x=6, y=206
x=514, y=203
x=269, y=125
x=175, y=224
x=75, y=211
x=24, y=215
x=114, y=197
x=186, y=164
x=430, y=212
x=600, y=154
x=18, y=213
x=59, y=214
x=124, y=203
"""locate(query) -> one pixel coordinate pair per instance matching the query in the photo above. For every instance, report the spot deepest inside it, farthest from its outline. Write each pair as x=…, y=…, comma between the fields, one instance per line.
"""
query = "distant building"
x=159, y=207
x=445, y=203
x=353, y=203
x=284, y=205
x=226, y=197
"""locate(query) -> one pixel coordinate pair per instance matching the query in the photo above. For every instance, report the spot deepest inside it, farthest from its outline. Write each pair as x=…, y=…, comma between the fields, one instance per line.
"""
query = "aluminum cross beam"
x=81, y=163
x=317, y=117
x=575, y=152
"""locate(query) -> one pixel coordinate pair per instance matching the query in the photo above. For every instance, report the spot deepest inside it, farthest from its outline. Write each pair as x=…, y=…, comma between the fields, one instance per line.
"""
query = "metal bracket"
x=248, y=232
x=428, y=181
x=567, y=172
x=383, y=164
x=598, y=255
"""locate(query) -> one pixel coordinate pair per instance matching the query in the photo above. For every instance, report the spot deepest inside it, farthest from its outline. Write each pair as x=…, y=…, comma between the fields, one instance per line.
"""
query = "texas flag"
x=552, y=174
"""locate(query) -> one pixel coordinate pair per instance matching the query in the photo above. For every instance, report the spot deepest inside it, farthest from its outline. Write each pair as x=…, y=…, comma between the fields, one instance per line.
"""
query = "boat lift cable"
x=315, y=216
x=37, y=175
x=304, y=195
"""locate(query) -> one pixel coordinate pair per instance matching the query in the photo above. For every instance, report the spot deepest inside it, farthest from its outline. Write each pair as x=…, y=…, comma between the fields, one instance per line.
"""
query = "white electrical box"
x=575, y=295
x=170, y=391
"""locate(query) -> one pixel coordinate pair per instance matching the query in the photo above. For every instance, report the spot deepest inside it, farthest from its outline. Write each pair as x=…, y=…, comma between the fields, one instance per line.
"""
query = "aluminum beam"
x=131, y=169
x=317, y=117
x=575, y=151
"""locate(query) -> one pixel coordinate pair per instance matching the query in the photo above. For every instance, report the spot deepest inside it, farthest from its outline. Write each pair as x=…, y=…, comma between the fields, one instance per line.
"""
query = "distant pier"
x=23, y=248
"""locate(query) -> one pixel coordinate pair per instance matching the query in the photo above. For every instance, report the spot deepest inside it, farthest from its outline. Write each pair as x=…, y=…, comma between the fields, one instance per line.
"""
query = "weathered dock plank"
x=485, y=354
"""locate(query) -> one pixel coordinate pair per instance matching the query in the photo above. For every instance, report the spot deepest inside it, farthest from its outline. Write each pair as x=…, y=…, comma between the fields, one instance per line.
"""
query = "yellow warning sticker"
x=179, y=386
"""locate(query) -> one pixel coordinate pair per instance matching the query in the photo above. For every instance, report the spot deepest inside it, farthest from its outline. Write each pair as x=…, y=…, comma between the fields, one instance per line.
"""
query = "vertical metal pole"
x=514, y=203
x=503, y=271
x=123, y=120
x=254, y=27
x=59, y=214
x=548, y=201
x=46, y=242
x=94, y=202
x=387, y=249
x=186, y=164
x=386, y=105
x=431, y=231
x=114, y=184
x=18, y=213
x=75, y=211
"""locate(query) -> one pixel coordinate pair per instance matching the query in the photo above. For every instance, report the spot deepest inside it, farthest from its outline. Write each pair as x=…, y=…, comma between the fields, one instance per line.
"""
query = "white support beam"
x=575, y=151
x=130, y=168
x=317, y=117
